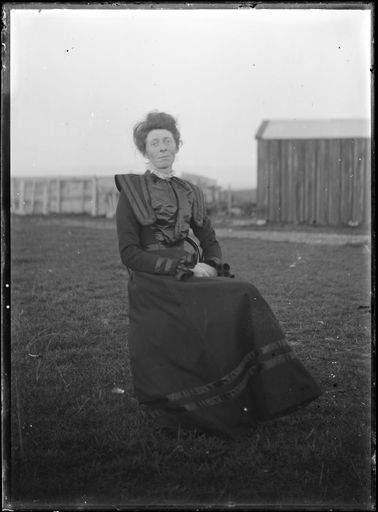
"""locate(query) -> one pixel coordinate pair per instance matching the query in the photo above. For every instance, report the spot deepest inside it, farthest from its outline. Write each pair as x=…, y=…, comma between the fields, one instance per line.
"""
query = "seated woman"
x=206, y=350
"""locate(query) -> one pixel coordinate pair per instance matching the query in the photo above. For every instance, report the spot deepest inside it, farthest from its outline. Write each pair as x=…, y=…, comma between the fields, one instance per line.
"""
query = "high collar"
x=160, y=175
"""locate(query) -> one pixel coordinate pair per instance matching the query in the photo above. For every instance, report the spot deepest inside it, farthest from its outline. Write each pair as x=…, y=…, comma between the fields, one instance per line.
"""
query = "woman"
x=206, y=350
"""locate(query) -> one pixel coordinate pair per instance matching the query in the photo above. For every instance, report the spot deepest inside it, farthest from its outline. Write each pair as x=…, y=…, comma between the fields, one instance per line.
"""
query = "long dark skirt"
x=209, y=353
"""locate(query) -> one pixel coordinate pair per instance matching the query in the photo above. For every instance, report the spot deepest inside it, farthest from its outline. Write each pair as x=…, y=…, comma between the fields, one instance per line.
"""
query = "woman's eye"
x=156, y=143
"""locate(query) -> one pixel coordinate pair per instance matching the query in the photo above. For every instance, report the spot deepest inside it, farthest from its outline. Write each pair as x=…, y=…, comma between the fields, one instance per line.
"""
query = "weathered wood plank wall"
x=318, y=181
x=89, y=195
x=262, y=180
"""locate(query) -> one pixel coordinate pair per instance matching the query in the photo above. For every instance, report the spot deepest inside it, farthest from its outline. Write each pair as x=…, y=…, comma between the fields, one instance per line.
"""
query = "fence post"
x=229, y=200
x=111, y=204
x=32, y=200
x=82, y=194
x=94, y=196
x=58, y=196
x=46, y=197
x=22, y=197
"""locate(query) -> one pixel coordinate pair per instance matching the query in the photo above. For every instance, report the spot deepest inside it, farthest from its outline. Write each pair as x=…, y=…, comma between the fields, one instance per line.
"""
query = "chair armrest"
x=195, y=246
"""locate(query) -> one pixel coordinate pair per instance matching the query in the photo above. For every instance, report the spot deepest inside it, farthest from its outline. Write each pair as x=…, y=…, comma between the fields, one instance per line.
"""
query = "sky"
x=82, y=78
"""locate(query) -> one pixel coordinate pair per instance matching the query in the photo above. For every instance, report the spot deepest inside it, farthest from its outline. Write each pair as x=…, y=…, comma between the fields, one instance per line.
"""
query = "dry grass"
x=74, y=442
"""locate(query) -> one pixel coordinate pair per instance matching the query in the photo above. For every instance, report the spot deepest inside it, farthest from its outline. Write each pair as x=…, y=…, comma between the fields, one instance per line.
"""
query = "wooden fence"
x=95, y=196
x=90, y=195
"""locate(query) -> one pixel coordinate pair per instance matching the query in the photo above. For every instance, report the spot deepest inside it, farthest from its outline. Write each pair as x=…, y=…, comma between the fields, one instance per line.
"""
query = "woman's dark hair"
x=154, y=121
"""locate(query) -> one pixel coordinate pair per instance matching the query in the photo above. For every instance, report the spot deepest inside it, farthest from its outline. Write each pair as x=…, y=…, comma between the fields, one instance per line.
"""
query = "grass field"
x=76, y=442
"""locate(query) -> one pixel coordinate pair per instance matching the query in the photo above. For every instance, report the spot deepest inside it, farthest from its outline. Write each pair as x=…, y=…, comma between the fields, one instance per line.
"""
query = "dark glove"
x=223, y=269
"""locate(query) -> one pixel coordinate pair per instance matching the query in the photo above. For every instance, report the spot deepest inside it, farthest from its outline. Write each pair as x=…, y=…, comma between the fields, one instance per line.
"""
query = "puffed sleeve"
x=132, y=254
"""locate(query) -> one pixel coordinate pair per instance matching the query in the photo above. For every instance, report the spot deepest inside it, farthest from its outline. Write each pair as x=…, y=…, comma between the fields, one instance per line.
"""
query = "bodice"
x=172, y=203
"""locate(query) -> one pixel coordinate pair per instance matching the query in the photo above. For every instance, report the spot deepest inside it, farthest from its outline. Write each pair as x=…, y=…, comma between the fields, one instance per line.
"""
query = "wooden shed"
x=314, y=172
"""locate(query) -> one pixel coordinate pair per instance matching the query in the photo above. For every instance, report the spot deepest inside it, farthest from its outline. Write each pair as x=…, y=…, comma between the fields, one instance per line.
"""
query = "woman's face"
x=161, y=148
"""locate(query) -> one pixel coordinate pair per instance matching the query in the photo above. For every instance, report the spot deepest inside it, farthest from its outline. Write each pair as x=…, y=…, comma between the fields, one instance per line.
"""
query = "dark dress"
x=205, y=352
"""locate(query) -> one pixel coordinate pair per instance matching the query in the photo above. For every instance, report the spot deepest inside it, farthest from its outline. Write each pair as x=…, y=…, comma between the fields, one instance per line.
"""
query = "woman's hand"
x=204, y=270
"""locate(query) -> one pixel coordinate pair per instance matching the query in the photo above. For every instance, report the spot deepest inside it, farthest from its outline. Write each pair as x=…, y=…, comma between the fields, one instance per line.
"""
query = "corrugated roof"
x=314, y=129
